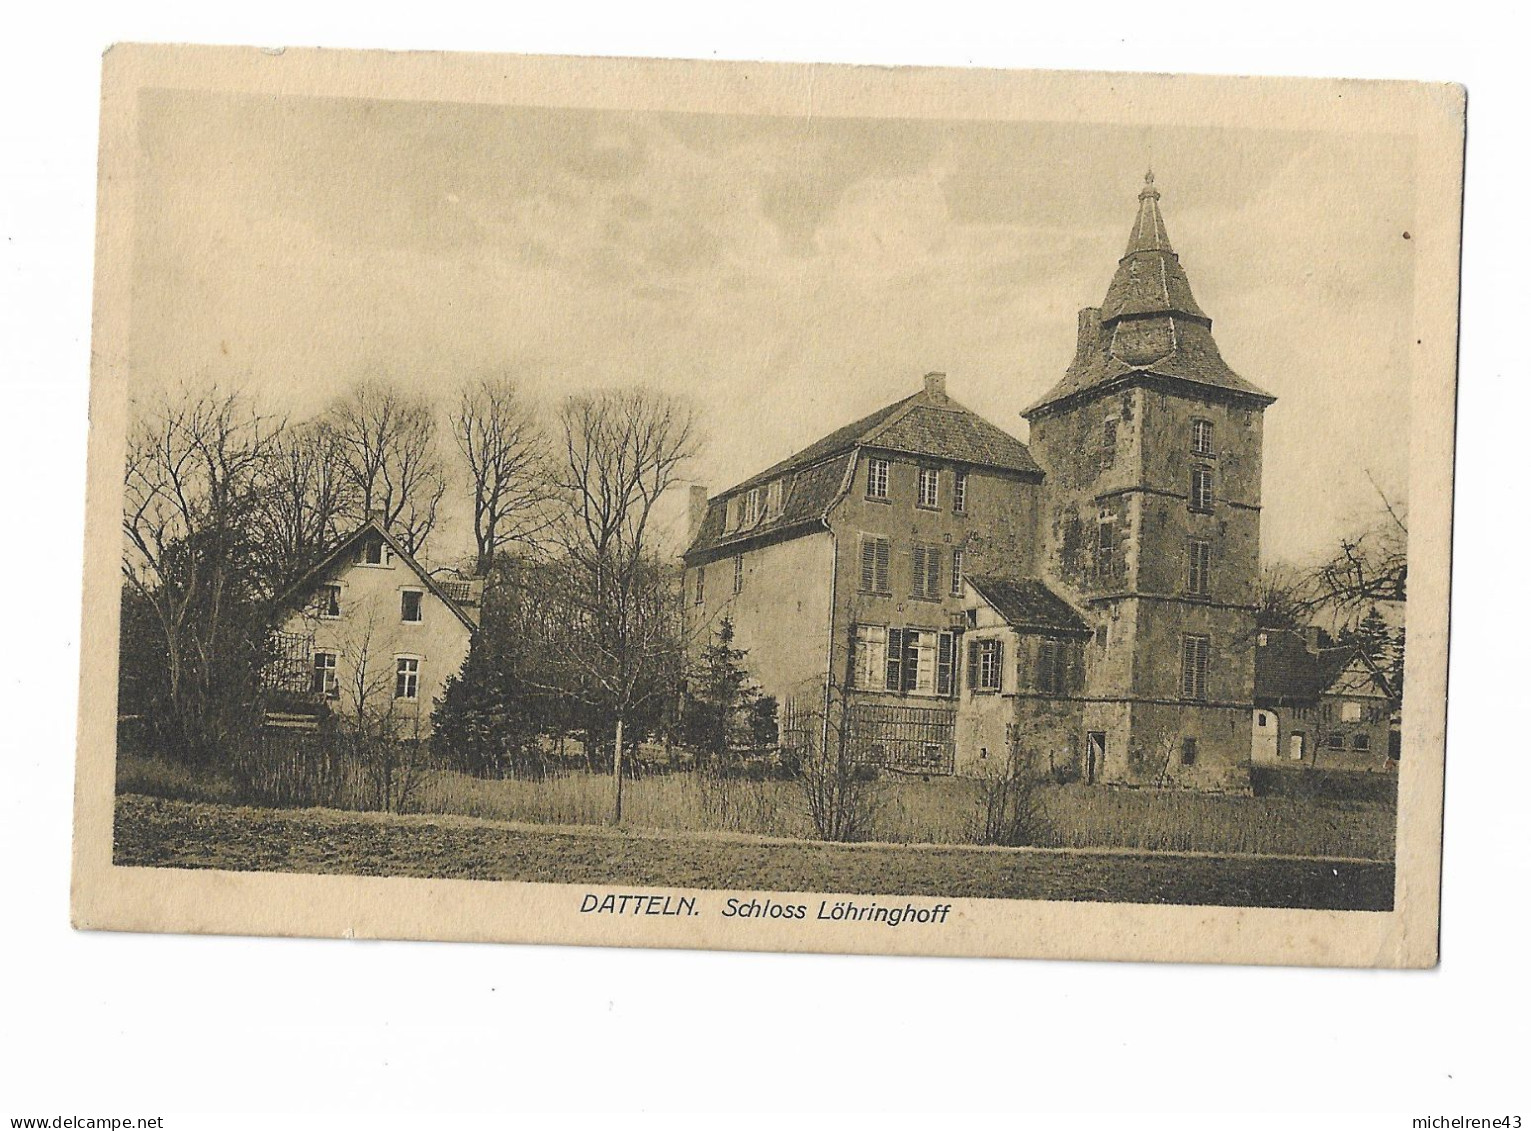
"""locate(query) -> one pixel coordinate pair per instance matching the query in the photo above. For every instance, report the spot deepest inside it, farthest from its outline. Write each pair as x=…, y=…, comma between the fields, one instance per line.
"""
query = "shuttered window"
x=1051, y=661
x=1198, y=582
x=1201, y=488
x=985, y=665
x=927, y=571
x=875, y=555
x=1195, y=653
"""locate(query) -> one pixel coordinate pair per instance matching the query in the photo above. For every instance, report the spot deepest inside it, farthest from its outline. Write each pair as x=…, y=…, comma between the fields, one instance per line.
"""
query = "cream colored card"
x=774, y=507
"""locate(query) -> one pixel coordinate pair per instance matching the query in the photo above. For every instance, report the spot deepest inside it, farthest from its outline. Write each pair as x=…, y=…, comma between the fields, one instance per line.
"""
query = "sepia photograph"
x=663, y=511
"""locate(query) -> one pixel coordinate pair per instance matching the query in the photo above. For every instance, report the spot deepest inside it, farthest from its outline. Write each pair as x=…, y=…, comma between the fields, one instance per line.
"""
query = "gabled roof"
x=1028, y=605
x=1149, y=324
x=928, y=424
x=305, y=585
x=1287, y=671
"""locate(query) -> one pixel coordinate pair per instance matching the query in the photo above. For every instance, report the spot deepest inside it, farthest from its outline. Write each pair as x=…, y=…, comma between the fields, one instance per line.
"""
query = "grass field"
x=905, y=810
x=158, y=832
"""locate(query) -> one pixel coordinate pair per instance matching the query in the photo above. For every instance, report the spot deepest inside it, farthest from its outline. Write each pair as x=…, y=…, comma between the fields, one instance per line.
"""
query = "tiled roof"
x=807, y=496
x=304, y=586
x=1027, y=603
x=925, y=424
x=1149, y=323
x=952, y=432
x=1287, y=672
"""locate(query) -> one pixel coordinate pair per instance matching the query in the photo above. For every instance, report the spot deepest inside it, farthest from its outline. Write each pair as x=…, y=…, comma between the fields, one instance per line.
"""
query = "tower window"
x=877, y=479
x=1198, y=582
x=1188, y=752
x=1201, y=489
x=1195, y=653
x=1201, y=437
x=1108, y=444
x=701, y=585
x=1105, y=548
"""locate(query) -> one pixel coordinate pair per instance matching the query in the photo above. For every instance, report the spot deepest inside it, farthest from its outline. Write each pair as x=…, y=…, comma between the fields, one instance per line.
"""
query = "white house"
x=372, y=635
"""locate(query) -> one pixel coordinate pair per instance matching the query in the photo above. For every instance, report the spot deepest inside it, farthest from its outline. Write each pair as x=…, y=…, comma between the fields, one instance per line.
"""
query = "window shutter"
x=883, y=552
x=972, y=665
x=946, y=656
x=895, y=664
x=999, y=665
x=918, y=571
x=868, y=564
x=933, y=576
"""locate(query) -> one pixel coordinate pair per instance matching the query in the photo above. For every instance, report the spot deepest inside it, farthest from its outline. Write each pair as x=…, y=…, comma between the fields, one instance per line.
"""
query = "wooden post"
x=616, y=813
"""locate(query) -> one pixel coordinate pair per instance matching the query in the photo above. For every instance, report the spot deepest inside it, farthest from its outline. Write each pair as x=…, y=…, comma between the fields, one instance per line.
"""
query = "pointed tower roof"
x=1149, y=323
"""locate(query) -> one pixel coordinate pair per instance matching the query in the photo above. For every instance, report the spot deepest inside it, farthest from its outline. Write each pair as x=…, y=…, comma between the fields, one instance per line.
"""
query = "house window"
x=960, y=492
x=1105, y=547
x=927, y=571
x=738, y=574
x=871, y=657
x=1201, y=437
x=956, y=572
x=1195, y=652
x=1051, y=661
x=1108, y=444
x=773, y=499
x=877, y=479
x=1361, y=742
x=701, y=585
x=1198, y=582
x=752, y=510
x=410, y=610
x=406, y=680
x=326, y=681
x=329, y=601
x=376, y=552
x=1261, y=719
x=875, y=554
x=930, y=487
x=1350, y=712
x=1188, y=752
x=1335, y=741
x=985, y=665
x=1201, y=489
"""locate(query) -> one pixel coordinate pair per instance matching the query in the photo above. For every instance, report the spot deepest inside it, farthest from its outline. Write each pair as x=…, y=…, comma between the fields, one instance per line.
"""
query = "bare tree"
x=308, y=491
x=1368, y=566
x=505, y=452
x=196, y=466
x=622, y=451
x=389, y=442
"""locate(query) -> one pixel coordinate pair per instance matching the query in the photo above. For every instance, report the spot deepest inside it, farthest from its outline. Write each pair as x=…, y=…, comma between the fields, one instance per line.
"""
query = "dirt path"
x=151, y=832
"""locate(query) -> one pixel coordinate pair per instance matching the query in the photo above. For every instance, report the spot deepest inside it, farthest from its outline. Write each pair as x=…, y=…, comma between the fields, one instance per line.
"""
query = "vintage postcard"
x=757, y=506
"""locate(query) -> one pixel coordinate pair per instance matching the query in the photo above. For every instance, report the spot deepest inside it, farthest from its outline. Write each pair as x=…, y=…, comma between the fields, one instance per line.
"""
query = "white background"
x=95, y=1024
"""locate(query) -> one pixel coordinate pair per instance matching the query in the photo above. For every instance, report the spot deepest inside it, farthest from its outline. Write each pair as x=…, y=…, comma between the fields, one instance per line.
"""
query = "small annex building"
x=366, y=634
x=1023, y=693
x=1321, y=707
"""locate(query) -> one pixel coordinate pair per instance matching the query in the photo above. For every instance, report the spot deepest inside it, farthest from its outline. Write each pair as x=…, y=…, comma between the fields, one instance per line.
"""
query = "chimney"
x=1311, y=637
x=696, y=511
x=935, y=386
x=1089, y=329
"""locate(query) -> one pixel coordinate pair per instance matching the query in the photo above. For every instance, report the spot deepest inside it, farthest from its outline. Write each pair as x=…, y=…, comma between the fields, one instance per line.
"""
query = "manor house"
x=942, y=597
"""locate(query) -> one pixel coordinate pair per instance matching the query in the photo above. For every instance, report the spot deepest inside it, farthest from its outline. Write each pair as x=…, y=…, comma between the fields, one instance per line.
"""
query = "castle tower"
x=1152, y=449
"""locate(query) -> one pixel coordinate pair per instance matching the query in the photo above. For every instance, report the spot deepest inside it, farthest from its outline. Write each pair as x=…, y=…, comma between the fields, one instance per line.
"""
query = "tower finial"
x=1149, y=192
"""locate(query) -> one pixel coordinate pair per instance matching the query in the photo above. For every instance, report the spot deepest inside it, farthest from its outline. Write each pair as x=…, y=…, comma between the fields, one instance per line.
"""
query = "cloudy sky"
x=790, y=274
